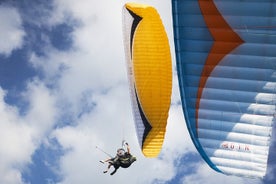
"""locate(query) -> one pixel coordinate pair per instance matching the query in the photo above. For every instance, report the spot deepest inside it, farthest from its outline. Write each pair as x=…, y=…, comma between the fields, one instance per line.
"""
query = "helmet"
x=120, y=152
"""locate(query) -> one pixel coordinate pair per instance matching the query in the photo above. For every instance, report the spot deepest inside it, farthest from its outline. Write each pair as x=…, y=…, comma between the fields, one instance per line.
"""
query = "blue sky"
x=64, y=91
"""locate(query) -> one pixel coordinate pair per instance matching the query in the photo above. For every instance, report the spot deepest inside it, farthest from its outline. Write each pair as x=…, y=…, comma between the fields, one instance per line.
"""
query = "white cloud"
x=13, y=135
x=42, y=110
x=11, y=30
x=22, y=134
x=205, y=174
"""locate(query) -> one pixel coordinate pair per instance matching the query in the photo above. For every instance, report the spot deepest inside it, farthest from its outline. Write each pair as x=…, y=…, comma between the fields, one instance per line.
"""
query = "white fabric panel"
x=239, y=164
x=234, y=137
x=241, y=172
x=233, y=155
x=236, y=127
x=234, y=146
x=235, y=118
x=127, y=23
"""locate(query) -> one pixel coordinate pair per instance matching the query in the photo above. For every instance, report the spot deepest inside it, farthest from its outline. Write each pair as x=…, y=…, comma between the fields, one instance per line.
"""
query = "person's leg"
x=104, y=161
x=108, y=167
x=113, y=172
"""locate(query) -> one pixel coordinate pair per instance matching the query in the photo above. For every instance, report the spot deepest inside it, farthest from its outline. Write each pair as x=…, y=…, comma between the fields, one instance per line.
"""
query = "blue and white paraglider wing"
x=226, y=63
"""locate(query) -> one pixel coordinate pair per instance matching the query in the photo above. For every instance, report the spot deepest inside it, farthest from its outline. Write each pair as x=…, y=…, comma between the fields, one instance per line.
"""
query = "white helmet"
x=120, y=152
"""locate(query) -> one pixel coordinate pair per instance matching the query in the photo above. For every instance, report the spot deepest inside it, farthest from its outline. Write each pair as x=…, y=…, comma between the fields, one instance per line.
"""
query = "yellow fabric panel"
x=152, y=69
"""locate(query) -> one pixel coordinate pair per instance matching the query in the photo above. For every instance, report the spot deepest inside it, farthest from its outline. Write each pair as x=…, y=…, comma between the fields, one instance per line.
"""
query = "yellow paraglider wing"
x=150, y=74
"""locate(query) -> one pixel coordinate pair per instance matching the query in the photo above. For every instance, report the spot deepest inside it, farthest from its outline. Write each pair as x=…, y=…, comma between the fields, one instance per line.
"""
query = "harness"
x=126, y=160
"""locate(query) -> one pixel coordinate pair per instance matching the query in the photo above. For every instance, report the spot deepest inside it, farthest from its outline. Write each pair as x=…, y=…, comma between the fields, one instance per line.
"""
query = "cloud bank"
x=11, y=32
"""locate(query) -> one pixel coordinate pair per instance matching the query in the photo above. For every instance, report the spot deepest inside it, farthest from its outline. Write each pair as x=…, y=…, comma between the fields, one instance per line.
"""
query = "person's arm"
x=128, y=149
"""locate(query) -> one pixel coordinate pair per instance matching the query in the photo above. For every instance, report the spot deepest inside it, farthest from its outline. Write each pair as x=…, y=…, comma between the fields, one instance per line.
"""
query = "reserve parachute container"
x=226, y=64
x=150, y=74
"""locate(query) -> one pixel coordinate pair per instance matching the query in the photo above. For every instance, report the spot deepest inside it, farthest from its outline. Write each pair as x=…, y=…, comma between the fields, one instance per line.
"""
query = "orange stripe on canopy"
x=225, y=40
